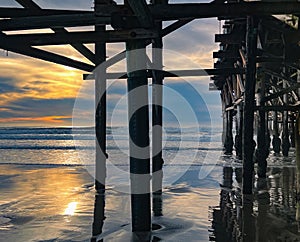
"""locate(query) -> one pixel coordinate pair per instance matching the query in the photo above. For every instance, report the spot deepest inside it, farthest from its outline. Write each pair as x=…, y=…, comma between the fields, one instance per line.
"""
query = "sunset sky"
x=39, y=93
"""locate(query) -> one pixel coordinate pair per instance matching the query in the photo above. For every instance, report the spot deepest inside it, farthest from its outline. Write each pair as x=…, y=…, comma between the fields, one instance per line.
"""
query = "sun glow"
x=70, y=210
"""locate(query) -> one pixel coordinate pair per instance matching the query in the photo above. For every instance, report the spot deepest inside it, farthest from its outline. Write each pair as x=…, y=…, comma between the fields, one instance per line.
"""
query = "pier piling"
x=100, y=102
x=139, y=136
x=157, y=109
x=248, y=147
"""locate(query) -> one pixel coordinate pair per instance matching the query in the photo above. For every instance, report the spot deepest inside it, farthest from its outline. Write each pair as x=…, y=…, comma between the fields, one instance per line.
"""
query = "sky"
x=38, y=93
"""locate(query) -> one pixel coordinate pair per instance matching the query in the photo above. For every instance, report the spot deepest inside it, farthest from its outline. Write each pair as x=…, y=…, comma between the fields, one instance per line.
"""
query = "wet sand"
x=58, y=203
x=43, y=203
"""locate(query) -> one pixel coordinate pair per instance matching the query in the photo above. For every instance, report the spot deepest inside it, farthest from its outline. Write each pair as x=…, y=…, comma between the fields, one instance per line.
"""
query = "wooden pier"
x=257, y=71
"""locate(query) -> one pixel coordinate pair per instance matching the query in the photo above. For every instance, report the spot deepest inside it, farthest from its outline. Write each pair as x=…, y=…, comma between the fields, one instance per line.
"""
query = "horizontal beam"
x=282, y=92
x=278, y=108
x=165, y=13
x=175, y=73
x=22, y=12
x=44, y=55
x=226, y=54
x=164, y=32
x=87, y=53
x=222, y=65
x=210, y=10
x=63, y=37
x=52, y=21
x=82, y=49
x=277, y=75
x=230, y=38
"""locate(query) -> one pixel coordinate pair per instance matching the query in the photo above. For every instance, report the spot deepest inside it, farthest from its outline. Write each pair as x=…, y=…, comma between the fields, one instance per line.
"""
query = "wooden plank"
x=240, y=83
x=277, y=75
x=6, y=12
x=29, y=4
x=52, y=21
x=175, y=73
x=223, y=65
x=243, y=56
x=168, y=12
x=209, y=10
x=230, y=39
x=226, y=54
x=265, y=59
x=278, y=108
x=282, y=92
x=64, y=37
x=44, y=55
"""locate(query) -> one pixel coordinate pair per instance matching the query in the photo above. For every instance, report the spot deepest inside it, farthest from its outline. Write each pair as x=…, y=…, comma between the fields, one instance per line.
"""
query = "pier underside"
x=257, y=72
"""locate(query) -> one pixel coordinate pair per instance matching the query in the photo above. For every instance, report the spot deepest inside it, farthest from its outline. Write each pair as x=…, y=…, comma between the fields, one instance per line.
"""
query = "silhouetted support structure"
x=137, y=84
x=266, y=49
x=297, y=134
x=262, y=149
x=251, y=48
x=276, y=142
x=139, y=135
x=157, y=110
x=100, y=102
x=285, y=124
x=252, y=37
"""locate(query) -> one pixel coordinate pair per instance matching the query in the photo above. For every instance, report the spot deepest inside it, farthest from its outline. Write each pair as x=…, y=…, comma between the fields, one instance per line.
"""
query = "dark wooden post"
x=293, y=129
x=139, y=135
x=276, y=143
x=223, y=117
x=138, y=109
x=157, y=119
x=262, y=152
x=248, y=147
x=285, y=127
x=238, y=137
x=100, y=117
x=228, y=139
x=297, y=139
x=229, y=136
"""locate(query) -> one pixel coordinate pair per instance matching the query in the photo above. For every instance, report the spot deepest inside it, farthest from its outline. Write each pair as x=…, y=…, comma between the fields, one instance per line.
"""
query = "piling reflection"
x=99, y=215
x=99, y=219
x=271, y=214
x=157, y=204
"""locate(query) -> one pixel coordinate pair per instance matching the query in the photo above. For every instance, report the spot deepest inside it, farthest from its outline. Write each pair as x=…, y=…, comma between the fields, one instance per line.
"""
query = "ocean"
x=47, y=189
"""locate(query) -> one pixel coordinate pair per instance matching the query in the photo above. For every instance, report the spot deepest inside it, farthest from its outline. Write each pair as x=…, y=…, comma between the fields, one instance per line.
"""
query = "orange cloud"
x=45, y=119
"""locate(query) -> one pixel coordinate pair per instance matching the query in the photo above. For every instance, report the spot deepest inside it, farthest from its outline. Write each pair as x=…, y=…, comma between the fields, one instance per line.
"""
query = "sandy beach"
x=47, y=195
x=58, y=203
x=44, y=203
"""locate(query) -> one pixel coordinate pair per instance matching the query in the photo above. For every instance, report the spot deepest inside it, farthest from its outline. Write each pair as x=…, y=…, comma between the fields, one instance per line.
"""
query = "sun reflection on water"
x=70, y=210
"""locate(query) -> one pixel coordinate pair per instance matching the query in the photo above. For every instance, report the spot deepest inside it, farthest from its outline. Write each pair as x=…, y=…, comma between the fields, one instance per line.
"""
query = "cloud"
x=41, y=91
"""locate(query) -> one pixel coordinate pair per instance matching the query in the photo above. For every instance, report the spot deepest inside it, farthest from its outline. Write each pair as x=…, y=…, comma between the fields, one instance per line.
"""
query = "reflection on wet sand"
x=268, y=215
x=99, y=215
x=99, y=218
